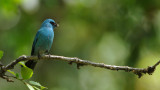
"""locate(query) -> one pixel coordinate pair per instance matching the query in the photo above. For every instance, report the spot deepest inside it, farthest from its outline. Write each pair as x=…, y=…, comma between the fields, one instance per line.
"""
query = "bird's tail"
x=31, y=64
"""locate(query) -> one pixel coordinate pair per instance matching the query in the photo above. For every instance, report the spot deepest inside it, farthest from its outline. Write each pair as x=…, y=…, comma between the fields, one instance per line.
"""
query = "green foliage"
x=37, y=84
x=13, y=73
x=1, y=54
x=25, y=71
x=36, y=88
x=17, y=75
x=32, y=85
x=29, y=86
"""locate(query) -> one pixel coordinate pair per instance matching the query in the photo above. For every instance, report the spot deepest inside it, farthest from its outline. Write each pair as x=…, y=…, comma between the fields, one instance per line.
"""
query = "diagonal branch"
x=80, y=62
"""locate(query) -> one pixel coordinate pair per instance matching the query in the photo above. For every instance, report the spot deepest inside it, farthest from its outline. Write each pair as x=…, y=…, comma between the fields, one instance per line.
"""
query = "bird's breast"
x=46, y=39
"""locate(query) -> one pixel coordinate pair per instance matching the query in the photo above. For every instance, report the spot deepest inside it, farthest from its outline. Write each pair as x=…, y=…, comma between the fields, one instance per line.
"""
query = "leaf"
x=29, y=86
x=1, y=54
x=13, y=73
x=25, y=71
x=42, y=87
x=36, y=88
x=37, y=84
x=22, y=63
x=17, y=75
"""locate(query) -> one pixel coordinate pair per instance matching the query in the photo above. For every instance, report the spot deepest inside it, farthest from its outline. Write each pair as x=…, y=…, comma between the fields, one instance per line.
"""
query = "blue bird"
x=42, y=41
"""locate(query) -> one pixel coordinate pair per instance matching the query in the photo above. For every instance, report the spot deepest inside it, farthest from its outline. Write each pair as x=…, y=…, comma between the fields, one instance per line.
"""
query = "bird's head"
x=49, y=23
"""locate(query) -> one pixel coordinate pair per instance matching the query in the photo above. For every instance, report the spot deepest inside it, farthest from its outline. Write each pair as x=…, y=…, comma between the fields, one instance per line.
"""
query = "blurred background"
x=118, y=32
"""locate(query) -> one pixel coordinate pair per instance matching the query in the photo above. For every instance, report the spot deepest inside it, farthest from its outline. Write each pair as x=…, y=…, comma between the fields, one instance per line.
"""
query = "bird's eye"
x=53, y=23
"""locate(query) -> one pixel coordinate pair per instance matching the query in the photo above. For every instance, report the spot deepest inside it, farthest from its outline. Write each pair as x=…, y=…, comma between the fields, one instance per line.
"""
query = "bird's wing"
x=34, y=42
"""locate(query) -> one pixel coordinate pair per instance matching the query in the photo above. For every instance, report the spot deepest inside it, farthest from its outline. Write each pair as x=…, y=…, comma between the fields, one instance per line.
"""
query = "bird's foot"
x=39, y=56
x=49, y=55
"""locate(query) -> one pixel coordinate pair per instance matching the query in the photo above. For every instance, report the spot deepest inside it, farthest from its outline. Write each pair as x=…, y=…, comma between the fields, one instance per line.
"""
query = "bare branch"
x=80, y=62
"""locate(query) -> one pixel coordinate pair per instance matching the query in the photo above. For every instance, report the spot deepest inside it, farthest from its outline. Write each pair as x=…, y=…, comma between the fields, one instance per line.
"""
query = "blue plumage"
x=43, y=41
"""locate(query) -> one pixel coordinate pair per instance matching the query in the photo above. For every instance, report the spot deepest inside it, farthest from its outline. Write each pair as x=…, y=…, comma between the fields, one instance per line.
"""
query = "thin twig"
x=80, y=62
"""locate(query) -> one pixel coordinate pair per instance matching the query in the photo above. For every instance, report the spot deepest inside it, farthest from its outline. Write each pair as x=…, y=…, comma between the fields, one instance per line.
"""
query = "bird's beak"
x=57, y=25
